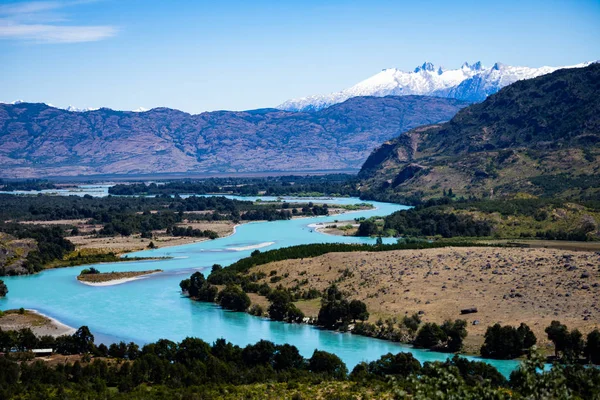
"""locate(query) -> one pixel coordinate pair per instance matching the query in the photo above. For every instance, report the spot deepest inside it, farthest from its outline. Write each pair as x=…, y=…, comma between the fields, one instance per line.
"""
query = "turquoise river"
x=151, y=308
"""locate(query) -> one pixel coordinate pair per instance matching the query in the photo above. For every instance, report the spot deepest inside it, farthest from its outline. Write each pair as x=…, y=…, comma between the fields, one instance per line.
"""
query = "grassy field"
x=507, y=285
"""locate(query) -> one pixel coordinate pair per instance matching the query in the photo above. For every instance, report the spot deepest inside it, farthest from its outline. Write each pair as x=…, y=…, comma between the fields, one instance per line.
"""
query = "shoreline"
x=66, y=329
x=118, y=281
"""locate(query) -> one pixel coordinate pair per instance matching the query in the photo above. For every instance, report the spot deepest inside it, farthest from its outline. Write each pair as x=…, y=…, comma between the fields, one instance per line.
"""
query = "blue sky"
x=209, y=55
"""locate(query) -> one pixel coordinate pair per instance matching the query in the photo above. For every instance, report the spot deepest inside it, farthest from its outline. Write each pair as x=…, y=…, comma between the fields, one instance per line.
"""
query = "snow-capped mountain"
x=469, y=82
x=77, y=109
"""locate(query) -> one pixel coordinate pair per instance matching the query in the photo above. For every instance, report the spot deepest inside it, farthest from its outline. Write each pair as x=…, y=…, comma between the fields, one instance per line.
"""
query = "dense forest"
x=195, y=369
x=324, y=185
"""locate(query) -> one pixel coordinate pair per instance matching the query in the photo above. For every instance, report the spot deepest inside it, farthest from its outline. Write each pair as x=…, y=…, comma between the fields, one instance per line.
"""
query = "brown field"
x=124, y=244
x=507, y=285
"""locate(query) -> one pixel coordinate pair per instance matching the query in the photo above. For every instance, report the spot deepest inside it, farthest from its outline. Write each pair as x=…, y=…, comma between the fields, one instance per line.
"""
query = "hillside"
x=37, y=140
x=539, y=136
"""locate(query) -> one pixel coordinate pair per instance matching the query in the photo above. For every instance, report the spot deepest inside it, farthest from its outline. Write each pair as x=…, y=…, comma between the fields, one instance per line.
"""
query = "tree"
x=412, y=323
x=3, y=288
x=192, y=349
x=282, y=308
x=327, y=363
x=26, y=339
x=280, y=299
x=358, y=310
x=526, y=336
x=592, y=347
x=430, y=335
x=557, y=334
x=118, y=350
x=334, y=308
x=402, y=364
x=456, y=332
x=83, y=340
x=133, y=351
x=575, y=344
x=570, y=344
x=198, y=288
x=287, y=357
x=233, y=298
x=507, y=342
x=261, y=353
x=367, y=228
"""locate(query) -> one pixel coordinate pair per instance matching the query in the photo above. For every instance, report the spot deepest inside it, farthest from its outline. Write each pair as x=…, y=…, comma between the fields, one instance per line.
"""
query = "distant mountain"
x=472, y=83
x=37, y=140
x=74, y=108
x=538, y=136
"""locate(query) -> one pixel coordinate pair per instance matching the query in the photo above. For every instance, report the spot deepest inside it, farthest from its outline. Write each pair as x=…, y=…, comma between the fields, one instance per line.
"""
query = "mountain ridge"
x=37, y=140
x=470, y=82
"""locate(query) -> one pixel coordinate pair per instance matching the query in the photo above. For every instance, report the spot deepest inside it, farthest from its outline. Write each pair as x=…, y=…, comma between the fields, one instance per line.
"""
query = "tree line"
x=194, y=368
x=324, y=185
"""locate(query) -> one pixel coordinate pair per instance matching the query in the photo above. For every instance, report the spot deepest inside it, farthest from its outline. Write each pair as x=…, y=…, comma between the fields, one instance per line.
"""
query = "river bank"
x=40, y=324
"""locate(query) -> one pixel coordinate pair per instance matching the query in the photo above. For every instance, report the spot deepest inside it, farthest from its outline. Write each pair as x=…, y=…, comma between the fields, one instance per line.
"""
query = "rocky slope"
x=539, y=136
x=471, y=83
x=37, y=140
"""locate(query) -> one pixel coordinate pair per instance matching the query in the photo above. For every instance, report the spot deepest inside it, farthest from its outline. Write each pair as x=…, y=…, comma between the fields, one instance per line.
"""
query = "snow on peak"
x=140, y=109
x=77, y=109
x=470, y=82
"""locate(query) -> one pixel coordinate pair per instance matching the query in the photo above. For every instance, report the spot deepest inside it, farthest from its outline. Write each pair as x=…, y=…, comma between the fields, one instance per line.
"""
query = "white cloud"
x=36, y=21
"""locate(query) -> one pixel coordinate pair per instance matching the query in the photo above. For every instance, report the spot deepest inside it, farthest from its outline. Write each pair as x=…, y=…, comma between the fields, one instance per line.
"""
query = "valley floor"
x=507, y=285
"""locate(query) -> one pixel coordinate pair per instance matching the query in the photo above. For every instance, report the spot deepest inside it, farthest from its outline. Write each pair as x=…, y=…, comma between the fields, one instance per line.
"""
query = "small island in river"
x=93, y=277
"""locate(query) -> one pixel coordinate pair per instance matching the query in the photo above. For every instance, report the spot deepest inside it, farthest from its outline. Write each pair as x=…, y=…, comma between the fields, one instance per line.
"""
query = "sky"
x=236, y=55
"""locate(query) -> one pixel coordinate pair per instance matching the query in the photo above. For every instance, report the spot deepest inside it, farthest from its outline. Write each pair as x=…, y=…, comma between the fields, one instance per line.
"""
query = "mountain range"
x=37, y=140
x=471, y=83
x=538, y=137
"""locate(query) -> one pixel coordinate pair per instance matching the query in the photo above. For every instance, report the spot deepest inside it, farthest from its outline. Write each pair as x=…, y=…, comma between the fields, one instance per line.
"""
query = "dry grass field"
x=124, y=244
x=507, y=285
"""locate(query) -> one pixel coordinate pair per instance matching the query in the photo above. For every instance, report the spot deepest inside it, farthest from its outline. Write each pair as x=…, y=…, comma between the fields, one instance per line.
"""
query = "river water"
x=151, y=308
